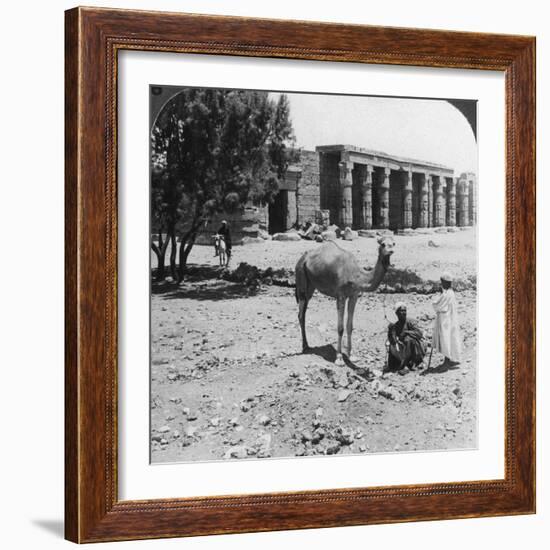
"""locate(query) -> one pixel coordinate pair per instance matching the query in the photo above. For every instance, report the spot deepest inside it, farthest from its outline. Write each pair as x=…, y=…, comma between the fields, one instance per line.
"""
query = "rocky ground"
x=228, y=380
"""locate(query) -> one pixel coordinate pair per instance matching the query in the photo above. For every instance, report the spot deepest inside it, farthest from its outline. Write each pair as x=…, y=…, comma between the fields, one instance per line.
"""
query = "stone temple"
x=363, y=189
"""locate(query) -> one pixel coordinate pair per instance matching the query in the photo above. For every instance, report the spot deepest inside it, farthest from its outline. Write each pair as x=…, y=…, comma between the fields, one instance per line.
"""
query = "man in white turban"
x=446, y=337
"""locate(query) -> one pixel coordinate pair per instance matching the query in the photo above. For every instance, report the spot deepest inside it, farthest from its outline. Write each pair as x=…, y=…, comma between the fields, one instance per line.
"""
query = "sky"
x=422, y=129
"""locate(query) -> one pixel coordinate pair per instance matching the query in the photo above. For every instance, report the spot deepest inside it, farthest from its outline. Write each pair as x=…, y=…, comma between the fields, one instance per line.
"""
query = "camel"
x=335, y=272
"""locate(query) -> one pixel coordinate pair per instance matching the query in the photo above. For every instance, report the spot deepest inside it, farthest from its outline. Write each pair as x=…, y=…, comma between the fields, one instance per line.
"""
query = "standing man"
x=226, y=233
x=407, y=344
x=446, y=337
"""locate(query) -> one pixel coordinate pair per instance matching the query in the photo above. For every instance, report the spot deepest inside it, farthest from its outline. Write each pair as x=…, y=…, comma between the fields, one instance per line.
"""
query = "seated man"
x=406, y=340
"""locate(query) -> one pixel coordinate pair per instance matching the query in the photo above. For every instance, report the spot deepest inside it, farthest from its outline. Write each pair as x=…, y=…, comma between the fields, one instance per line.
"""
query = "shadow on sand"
x=440, y=369
x=219, y=290
x=328, y=353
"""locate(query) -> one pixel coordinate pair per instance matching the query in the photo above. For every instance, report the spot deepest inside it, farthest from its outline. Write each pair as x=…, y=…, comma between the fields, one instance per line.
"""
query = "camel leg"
x=341, y=307
x=351, y=309
x=302, y=308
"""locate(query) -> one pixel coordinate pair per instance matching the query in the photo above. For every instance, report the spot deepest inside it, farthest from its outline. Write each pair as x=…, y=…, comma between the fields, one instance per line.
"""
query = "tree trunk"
x=173, y=255
x=160, y=252
x=186, y=245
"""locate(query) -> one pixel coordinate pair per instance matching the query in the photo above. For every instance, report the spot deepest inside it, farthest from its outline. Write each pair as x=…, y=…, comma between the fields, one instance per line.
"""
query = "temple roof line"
x=352, y=149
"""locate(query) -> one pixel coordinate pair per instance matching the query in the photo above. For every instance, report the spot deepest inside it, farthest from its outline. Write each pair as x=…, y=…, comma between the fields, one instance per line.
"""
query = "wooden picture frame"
x=93, y=511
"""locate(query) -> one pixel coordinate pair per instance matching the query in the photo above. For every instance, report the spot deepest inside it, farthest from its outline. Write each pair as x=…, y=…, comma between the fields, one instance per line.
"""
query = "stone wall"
x=245, y=222
x=330, y=185
x=307, y=194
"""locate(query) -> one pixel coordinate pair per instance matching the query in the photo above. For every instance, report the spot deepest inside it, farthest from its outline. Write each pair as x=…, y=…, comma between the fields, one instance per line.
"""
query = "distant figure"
x=221, y=249
x=226, y=234
x=446, y=334
x=309, y=231
x=406, y=340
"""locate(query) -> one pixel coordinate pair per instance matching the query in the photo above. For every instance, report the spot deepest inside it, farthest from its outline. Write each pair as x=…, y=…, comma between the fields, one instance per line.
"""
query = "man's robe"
x=412, y=346
x=446, y=334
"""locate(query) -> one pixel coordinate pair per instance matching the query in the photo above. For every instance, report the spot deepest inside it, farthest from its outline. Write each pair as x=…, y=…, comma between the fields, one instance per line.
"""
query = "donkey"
x=219, y=244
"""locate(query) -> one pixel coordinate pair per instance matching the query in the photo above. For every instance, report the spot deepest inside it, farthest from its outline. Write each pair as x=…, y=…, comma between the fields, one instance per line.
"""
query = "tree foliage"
x=215, y=150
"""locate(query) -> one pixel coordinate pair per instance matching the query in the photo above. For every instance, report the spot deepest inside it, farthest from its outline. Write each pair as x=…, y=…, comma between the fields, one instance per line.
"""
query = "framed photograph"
x=300, y=275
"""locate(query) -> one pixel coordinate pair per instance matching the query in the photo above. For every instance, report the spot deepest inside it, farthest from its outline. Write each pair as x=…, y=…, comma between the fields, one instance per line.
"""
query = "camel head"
x=386, y=247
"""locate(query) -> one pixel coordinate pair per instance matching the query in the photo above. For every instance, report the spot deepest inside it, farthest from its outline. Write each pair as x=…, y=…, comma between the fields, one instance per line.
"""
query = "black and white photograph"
x=313, y=273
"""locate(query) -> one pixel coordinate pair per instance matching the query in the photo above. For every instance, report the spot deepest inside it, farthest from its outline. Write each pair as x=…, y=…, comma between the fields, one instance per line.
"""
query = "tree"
x=212, y=151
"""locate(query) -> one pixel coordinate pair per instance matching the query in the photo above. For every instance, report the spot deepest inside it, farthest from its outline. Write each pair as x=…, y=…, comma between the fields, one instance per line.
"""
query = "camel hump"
x=328, y=268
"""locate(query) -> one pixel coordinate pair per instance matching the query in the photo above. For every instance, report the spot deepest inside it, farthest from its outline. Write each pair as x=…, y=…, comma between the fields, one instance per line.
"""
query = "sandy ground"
x=228, y=379
x=426, y=254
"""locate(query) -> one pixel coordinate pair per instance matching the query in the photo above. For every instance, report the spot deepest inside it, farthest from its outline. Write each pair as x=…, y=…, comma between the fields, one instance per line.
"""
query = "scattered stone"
x=191, y=416
x=344, y=436
x=335, y=229
x=343, y=395
x=341, y=379
x=318, y=436
x=264, y=445
x=289, y=236
x=264, y=420
x=349, y=234
x=328, y=236
x=370, y=233
x=236, y=452
x=433, y=244
x=333, y=447
x=215, y=421
x=390, y=393
x=164, y=429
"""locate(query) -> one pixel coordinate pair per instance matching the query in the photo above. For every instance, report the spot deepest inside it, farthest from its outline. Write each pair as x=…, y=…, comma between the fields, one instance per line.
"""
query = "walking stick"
x=430, y=359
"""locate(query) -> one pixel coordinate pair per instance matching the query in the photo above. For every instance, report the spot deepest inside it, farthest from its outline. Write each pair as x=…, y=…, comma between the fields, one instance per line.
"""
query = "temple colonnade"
x=369, y=190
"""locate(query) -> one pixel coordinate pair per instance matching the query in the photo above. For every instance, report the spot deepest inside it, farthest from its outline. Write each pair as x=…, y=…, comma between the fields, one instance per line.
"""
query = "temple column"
x=366, y=197
x=346, y=182
x=473, y=201
x=384, y=200
x=430, y=200
x=407, y=200
x=463, y=203
x=424, y=214
x=443, y=187
x=439, y=202
x=451, y=201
